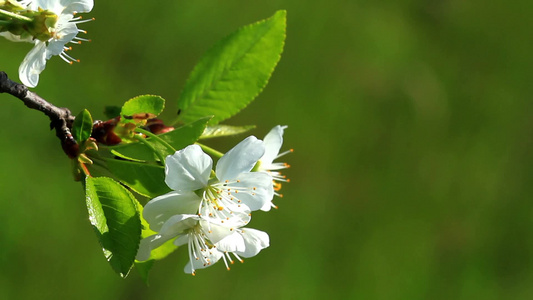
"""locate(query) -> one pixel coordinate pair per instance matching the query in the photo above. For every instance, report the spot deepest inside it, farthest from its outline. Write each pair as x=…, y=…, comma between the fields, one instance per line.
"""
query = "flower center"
x=220, y=201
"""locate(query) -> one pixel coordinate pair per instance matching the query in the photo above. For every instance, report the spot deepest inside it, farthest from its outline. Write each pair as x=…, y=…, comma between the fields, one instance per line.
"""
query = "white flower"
x=227, y=197
x=206, y=242
x=273, y=141
x=63, y=32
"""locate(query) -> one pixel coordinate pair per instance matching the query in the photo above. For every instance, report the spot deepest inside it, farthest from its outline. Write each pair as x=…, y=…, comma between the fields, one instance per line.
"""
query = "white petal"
x=263, y=193
x=267, y=206
x=273, y=141
x=66, y=32
x=181, y=240
x=188, y=169
x=242, y=158
x=16, y=38
x=215, y=232
x=79, y=6
x=33, y=64
x=54, y=6
x=158, y=210
x=143, y=253
x=178, y=225
x=150, y=243
x=63, y=6
x=255, y=241
x=232, y=243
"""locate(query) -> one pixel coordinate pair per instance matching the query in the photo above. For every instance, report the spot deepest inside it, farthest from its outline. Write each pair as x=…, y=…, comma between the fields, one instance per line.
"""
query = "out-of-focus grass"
x=411, y=124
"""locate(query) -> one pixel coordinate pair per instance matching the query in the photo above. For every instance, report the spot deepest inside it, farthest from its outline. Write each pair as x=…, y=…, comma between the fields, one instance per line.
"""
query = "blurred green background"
x=411, y=176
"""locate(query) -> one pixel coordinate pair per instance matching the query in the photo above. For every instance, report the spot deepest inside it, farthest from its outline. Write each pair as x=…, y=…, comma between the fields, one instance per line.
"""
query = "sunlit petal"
x=242, y=158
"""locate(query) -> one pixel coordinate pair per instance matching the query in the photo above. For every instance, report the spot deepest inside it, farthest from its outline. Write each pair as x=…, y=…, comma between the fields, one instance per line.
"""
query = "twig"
x=60, y=118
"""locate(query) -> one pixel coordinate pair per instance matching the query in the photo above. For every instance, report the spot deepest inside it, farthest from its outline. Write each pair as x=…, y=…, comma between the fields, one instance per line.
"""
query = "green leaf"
x=145, y=179
x=146, y=104
x=232, y=73
x=224, y=130
x=178, y=138
x=114, y=216
x=82, y=127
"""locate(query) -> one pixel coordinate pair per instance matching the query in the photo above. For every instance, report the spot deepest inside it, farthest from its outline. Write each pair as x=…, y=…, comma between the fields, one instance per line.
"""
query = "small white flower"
x=273, y=141
x=65, y=31
x=206, y=242
x=228, y=197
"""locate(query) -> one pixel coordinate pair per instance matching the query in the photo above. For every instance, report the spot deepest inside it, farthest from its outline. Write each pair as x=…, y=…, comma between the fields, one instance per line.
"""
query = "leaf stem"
x=15, y=16
x=147, y=144
x=210, y=151
x=156, y=138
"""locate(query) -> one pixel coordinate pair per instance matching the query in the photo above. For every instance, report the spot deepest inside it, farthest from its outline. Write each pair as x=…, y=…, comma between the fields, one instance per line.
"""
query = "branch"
x=60, y=118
